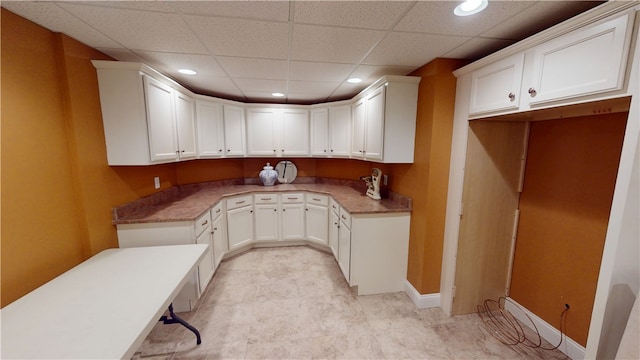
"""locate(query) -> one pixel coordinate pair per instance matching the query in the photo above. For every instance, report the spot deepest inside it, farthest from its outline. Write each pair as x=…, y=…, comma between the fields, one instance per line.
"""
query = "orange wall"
x=564, y=210
x=57, y=190
x=55, y=175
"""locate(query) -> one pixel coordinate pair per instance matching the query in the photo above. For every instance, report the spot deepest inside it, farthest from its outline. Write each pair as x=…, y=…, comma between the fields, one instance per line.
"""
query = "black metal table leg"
x=173, y=319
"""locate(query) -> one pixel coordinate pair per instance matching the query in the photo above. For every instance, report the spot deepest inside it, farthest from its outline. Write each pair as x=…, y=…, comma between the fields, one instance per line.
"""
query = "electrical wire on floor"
x=502, y=325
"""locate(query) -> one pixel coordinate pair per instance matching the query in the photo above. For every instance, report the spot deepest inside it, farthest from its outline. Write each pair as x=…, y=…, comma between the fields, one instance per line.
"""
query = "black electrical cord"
x=502, y=325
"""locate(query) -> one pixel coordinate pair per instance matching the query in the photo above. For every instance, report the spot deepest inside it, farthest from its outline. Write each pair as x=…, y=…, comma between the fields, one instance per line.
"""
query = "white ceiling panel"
x=360, y=14
x=332, y=44
x=319, y=71
x=254, y=68
x=412, y=49
x=246, y=50
x=241, y=37
x=140, y=30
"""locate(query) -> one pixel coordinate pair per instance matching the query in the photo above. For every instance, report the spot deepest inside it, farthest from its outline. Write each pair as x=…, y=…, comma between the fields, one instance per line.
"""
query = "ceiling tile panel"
x=331, y=44
x=436, y=17
x=170, y=63
x=259, y=10
x=412, y=49
x=317, y=71
x=242, y=38
x=55, y=18
x=361, y=14
x=476, y=48
x=140, y=30
x=254, y=68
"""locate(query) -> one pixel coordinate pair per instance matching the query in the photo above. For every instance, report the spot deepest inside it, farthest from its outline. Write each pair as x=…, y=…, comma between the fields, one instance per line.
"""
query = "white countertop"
x=101, y=309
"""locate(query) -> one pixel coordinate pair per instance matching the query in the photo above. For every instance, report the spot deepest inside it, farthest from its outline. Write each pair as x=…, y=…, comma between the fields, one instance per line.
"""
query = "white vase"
x=268, y=175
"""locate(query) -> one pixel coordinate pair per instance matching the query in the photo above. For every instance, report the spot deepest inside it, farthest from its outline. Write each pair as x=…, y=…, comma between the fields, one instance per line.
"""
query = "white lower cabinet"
x=218, y=234
x=317, y=218
x=176, y=233
x=267, y=217
x=292, y=220
x=334, y=232
x=239, y=221
x=344, y=245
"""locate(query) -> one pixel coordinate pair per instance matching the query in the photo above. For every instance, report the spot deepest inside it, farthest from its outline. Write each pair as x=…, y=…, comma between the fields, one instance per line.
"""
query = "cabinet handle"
x=344, y=217
x=292, y=198
x=205, y=223
x=533, y=92
x=512, y=96
x=218, y=211
x=239, y=202
x=265, y=199
x=315, y=199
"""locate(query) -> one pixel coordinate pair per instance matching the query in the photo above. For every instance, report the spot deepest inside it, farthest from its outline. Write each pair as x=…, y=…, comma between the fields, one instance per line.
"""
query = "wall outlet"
x=385, y=179
x=156, y=182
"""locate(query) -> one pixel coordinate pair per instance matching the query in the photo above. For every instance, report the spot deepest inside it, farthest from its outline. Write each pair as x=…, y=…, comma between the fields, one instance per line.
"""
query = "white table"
x=103, y=308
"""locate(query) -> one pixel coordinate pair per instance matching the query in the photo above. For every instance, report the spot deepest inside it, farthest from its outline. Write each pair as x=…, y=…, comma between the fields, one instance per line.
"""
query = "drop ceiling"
x=247, y=50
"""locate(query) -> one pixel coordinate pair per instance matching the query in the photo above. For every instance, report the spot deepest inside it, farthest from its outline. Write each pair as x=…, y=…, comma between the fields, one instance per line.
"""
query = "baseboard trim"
x=569, y=347
x=421, y=301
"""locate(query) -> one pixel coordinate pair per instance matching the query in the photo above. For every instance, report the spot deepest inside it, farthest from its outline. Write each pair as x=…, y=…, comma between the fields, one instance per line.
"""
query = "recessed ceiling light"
x=354, y=80
x=187, y=72
x=277, y=94
x=470, y=7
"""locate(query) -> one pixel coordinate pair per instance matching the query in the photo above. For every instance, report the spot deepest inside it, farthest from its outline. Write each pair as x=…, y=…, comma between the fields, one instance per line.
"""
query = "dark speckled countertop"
x=188, y=202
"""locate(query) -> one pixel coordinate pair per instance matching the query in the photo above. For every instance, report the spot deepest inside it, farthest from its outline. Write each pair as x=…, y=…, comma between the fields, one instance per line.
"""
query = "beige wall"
x=58, y=191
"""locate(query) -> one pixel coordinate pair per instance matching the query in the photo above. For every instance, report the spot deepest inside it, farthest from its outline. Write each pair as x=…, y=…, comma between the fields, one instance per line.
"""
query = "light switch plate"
x=156, y=182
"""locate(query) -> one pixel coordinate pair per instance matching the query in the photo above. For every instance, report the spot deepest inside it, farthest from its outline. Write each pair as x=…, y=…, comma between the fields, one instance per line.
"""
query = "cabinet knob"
x=533, y=92
x=331, y=150
x=512, y=96
x=275, y=209
x=274, y=150
x=228, y=150
x=220, y=150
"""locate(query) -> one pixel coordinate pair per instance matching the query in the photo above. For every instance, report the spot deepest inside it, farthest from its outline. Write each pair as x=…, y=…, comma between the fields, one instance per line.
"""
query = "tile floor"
x=294, y=303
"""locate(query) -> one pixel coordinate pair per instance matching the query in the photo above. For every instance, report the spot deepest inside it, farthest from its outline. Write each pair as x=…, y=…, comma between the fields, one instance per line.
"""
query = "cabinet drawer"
x=203, y=222
x=265, y=198
x=345, y=217
x=239, y=201
x=292, y=197
x=334, y=206
x=216, y=210
x=317, y=199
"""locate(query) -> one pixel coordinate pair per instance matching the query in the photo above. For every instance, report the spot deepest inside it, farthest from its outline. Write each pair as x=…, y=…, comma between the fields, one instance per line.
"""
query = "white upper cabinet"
x=330, y=131
x=497, y=86
x=146, y=121
x=339, y=130
x=590, y=60
x=210, y=128
x=587, y=61
x=319, y=132
x=277, y=132
x=185, y=124
x=234, y=130
x=384, y=120
x=150, y=119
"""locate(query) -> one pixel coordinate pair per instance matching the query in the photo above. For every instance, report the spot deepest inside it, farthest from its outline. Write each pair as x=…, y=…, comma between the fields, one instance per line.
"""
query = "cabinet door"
x=340, y=131
x=234, y=130
x=261, y=133
x=205, y=268
x=185, y=124
x=334, y=228
x=344, y=250
x=219, y=241
x=317, y=223
x=266, y=218
x=161, y=121
x=295, y=132
x=357, y=133
x=240, y=227
x=374, y=124
x=319, y=124
x=210, y=127
x=292, y=221
x=584, y=62
x=497, y=86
